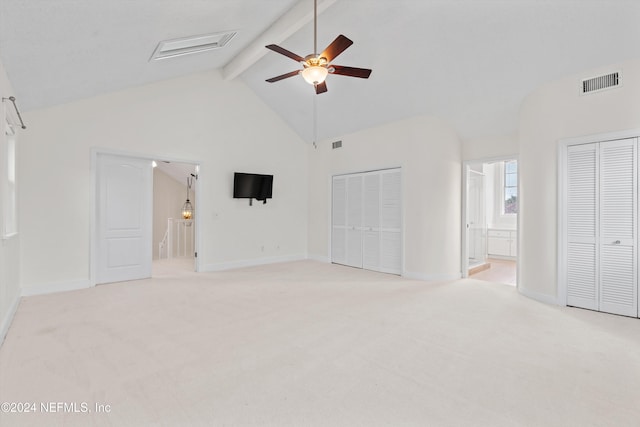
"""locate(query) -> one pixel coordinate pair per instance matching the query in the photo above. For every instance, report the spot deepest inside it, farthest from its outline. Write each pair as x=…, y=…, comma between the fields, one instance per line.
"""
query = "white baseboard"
x=430, y=277
x=547, y=299
x=50, y=288
x=319, y=258
x=8, y=318
x=250, y=263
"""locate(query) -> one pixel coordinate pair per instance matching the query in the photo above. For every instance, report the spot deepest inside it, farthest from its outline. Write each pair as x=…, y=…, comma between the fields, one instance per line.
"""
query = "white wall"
x=553, y=112
x=168, y=197
x=201, y=118
x=9, y=248
x=490, y=147
x=429, y=153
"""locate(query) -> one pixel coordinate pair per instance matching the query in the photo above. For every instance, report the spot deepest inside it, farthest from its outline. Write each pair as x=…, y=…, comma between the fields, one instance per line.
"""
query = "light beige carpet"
x=312, y=344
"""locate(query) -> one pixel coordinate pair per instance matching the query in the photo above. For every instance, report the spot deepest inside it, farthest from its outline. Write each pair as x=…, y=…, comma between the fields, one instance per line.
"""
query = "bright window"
x=510, y=189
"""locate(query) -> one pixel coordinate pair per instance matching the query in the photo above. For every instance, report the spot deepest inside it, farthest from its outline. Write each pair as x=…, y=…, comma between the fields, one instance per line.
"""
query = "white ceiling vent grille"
x=336, y=144
x=194, y=44
x=596, y=84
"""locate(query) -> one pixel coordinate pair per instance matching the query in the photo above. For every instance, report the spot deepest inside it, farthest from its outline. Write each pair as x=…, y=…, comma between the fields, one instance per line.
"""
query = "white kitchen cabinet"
x=502, y=243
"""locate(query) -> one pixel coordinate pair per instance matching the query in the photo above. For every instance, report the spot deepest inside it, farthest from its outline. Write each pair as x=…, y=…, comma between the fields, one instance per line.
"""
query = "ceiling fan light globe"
x=315, y=74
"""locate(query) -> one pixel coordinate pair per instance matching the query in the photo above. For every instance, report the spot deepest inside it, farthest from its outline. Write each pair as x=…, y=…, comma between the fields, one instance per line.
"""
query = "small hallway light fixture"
x=187, y=208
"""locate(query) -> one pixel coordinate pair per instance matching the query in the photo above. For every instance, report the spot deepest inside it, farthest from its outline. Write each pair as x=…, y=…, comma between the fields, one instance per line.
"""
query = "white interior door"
x=618, y=213
x=371, y=222
x=391, y=222
x=339, y=220
x=366, y=229
x=477, y=224
x=354, y=221
x=582, y=226
x=124, y=218
x=601, y=224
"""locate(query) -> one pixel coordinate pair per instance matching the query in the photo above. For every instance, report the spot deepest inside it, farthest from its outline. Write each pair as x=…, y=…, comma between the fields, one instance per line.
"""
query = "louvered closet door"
x=371, y=222
x=582, y=226
x=367, y=220
x=618, y=227
x=391, y=222
x=354, y=221
x=339, y=220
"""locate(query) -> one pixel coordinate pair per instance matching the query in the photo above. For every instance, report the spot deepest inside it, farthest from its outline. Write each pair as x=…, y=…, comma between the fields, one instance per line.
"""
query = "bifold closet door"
x=339, y=220
x=366, y=229
x=346, y=220
x=391, y=222
x=582, y=226
x=601, y=223
x=618, y=224
x=371, y=222
x=354, y=221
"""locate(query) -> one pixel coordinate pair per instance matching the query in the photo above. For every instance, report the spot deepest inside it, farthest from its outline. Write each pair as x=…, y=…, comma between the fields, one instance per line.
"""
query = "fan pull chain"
x=315, y=122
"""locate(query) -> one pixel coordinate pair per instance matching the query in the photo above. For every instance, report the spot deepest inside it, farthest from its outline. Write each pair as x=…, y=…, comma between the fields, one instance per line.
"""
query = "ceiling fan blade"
x=321, y=88
x=283, y=76
x=285, y=52
x=339, y=45
x=363, y=73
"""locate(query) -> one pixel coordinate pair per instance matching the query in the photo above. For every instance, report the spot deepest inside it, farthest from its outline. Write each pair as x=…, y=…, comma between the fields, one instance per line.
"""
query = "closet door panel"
x=354, y=248
x=371, y=205
x=367, y=221
x=391, y=252
x=354, y=220
x=339, y=200
x=582, y=290
x=617, y=280
x=582, y=226
x=339, y=220
x=391, y=200
x=618, y=211
x=391, y=222
x=371, y=222
x=371, y=250
x=339, y=245
x=354, y=201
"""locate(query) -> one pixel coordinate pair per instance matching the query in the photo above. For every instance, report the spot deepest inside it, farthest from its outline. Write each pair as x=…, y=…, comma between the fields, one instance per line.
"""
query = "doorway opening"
x=135, y=202
x=490, y=220
x=174, y=228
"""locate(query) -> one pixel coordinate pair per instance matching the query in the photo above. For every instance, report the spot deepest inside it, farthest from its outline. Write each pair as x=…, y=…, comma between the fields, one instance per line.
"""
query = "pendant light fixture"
x=187, y=208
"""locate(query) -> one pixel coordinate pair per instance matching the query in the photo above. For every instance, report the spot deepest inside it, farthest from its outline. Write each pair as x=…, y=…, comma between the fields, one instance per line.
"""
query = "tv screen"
x=252, y=186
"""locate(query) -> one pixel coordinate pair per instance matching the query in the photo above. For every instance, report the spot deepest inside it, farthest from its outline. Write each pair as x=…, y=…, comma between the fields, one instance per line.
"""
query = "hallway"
x=501, y=271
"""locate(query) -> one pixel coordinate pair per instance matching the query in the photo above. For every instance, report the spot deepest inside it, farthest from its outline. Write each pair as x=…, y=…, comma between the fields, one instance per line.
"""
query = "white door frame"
x=465, y=231
x=561, y=215
x=93, y=245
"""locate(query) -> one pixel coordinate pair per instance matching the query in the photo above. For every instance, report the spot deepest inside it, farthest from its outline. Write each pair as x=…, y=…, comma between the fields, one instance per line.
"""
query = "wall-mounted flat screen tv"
x=252, y=186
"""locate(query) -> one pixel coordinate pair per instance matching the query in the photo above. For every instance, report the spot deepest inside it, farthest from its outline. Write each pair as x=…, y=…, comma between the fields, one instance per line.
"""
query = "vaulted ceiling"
x=471, y=62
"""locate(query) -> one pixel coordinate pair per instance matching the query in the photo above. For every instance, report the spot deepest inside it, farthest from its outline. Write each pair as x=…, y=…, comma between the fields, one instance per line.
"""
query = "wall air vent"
x=336, y=144
x=596, y=84
x=194, y=44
